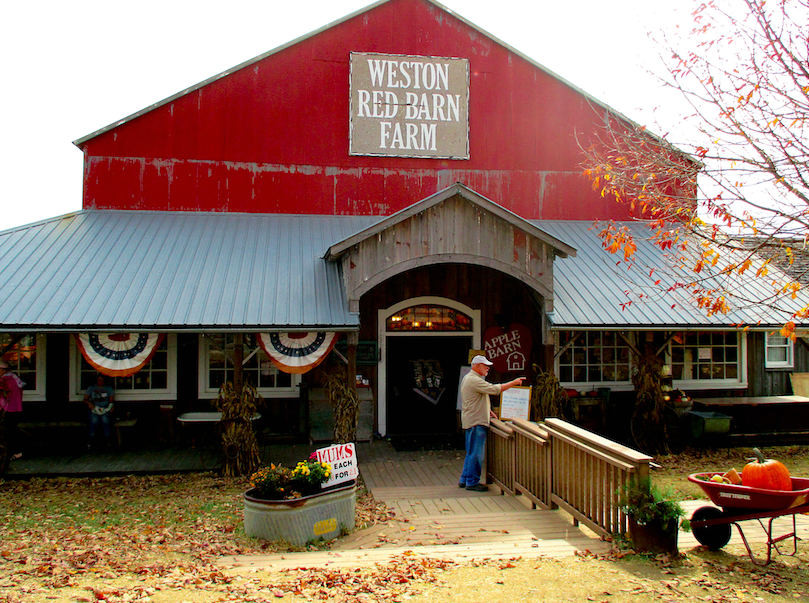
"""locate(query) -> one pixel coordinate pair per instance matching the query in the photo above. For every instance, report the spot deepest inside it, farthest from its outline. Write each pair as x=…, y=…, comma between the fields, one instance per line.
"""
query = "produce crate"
x=708, y=424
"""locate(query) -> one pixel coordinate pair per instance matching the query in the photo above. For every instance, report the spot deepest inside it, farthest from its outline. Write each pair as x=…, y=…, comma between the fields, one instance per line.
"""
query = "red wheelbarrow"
x=711, y=526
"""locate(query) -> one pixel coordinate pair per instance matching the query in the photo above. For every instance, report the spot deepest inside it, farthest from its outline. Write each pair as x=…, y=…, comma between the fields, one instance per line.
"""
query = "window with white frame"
x=216, y=367
x=25, y=357
x=592, y=357
x=779, y=351
x=157, y=380
x=707, y=359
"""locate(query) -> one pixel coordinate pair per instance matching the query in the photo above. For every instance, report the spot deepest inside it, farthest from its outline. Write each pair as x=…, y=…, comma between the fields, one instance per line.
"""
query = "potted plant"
x=653, y=516
x=291, y=504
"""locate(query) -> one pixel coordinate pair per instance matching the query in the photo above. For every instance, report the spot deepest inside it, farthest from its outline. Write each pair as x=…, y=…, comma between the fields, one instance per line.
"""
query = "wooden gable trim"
x=450, y=230
x=560, y=248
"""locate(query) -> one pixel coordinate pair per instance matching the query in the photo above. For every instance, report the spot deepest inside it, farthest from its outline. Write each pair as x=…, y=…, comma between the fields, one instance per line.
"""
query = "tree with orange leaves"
x=732, y=202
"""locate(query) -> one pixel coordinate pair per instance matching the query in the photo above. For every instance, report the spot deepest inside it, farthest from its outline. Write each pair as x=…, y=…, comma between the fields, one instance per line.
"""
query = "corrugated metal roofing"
x=593, y=289
x=132, y=270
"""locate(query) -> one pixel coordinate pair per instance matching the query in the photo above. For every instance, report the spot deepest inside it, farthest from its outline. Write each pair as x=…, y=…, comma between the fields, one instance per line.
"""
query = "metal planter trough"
x=319, y=516
x=707, y=424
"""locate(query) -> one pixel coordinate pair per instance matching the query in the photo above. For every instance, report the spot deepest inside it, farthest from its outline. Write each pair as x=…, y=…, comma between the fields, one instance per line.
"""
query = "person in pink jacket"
x=11, y=402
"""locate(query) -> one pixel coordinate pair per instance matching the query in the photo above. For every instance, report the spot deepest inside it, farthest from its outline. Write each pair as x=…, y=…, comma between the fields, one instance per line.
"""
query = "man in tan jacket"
x=476, y=414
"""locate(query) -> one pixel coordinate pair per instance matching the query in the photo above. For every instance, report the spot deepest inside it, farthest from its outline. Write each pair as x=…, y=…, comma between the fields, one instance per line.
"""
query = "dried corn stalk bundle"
x=548, y=398
x=650, y=430
x=344, y=403
x=239, y=445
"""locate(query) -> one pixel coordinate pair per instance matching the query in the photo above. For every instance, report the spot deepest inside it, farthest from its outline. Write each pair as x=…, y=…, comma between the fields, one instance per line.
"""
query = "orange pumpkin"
x=767, y=474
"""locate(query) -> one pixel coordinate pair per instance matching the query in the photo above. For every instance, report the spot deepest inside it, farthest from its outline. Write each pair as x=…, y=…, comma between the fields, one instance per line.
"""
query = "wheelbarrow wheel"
x=714, y=536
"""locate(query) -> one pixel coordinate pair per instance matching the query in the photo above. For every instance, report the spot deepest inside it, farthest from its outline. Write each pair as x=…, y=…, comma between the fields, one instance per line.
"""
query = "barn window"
x=216, y=367
x=25, y=357
x=780, y=351
x=707, y=358
x=586, y=358
x=157, y=380
x=429, y=317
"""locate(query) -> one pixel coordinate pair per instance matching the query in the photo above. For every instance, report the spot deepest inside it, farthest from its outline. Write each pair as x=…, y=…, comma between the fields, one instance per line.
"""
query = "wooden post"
x=353, y=341
x=238, y=360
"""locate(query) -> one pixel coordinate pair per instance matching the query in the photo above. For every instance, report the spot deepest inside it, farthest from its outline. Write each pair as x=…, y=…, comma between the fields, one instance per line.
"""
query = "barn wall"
x=273, y=136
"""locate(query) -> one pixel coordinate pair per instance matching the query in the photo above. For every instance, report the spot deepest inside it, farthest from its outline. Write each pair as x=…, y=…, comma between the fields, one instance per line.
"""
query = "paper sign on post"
x=343, y=461
x=515, y=403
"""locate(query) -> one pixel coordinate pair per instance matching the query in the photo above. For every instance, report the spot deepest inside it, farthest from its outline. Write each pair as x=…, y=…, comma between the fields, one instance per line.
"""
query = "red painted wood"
x=273, y=137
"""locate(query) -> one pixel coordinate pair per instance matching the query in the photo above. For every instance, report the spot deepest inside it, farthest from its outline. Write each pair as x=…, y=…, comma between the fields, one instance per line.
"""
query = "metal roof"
x=191, y=271
x=594, y=288
x=133, y=270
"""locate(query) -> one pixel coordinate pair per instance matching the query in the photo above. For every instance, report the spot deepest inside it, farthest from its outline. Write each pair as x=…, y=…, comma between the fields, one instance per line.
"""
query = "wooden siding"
x=456, y=232
x=272, y=135
x=771, y=382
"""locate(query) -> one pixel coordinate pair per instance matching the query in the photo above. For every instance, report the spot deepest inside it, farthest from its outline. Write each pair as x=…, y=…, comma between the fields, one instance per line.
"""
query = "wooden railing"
x=500, y=456
x=557, y=464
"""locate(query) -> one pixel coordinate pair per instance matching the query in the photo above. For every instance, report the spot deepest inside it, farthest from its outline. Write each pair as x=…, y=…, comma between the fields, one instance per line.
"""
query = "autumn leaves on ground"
x=158, y=538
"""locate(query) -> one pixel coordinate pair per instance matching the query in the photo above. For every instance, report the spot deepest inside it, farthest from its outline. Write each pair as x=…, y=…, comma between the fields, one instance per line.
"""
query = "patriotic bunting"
x=297, y=352
x=118, y=354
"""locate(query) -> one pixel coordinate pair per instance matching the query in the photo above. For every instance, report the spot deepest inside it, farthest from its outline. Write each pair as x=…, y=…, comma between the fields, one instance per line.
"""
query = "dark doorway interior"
x=422, y=382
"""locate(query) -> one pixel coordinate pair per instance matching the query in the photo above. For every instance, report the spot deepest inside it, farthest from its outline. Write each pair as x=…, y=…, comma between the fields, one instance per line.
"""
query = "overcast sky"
x=71, y=68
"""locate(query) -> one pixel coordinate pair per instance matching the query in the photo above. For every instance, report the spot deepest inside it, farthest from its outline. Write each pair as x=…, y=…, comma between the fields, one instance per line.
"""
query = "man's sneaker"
x=461, y=485
x=478, y=488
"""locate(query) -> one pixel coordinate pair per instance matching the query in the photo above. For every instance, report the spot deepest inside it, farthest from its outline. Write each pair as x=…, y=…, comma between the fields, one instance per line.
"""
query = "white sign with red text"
x=343, y=461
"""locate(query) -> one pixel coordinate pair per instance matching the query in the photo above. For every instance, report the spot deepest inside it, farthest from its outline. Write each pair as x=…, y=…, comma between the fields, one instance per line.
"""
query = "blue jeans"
x=103, y=420
x=475, y=450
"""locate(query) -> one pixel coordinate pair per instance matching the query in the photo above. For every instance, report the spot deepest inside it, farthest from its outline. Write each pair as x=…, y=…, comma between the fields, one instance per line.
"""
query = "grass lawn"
x=157, y=539
x=675, y=468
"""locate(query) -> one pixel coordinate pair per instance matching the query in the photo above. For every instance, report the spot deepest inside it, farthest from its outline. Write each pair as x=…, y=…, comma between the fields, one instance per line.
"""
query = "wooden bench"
x=117, y=425
x=762, y=418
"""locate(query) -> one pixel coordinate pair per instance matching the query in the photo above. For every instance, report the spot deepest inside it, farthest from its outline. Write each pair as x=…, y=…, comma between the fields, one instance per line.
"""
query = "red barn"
x=398, y=184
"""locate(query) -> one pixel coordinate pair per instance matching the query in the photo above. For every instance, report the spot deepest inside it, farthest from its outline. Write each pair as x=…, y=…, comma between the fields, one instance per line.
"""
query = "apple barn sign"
x=409, y=106
x=508, y=348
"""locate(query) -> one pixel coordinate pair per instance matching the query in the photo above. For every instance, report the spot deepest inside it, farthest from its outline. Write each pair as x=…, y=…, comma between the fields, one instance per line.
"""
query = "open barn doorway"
x=422, y=390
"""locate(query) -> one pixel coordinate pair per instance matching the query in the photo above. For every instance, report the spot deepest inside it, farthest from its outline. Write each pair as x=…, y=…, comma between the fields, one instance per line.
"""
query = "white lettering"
x=428, y=76
x=384, y=134
x=438, y=107
x=416, y=68
x=391, y=105
x=424, y=108
x=392, y=74
x=442, y=73
x=363, y=100
x=377, y=69
x=412, y=132
x=411, y=102
x=397, y=140
x=428, y=136
x=405, y=74
x=377, y=110
x=454, y=106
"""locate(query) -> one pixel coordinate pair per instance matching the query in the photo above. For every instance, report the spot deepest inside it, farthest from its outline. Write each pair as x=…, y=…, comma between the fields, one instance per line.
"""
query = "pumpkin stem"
x=759, y=457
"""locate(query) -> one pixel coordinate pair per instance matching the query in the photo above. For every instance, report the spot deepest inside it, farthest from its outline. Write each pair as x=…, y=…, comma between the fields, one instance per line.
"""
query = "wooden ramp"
x=435, y=518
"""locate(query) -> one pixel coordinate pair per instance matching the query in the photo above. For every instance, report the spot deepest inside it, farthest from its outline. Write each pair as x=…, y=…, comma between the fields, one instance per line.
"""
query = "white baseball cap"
x=480, y=360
